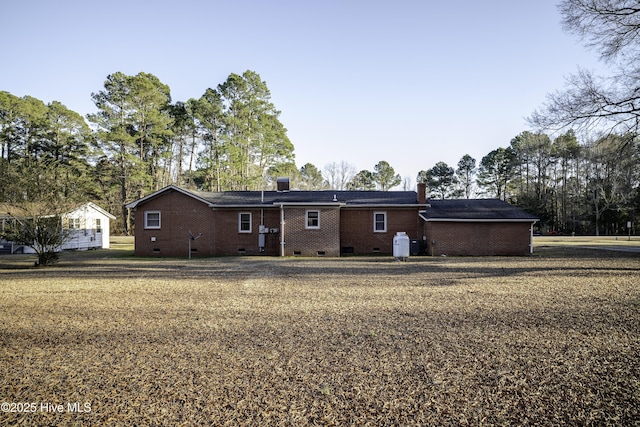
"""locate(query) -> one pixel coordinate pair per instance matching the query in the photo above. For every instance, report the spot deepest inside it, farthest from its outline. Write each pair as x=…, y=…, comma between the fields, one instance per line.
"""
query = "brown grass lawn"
x=548, y=339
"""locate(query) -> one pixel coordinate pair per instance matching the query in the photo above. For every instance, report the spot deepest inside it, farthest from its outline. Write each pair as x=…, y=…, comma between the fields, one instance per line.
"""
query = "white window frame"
x=146, y=220
x=73, y=223
x=306, y=219
x=241, y=222
x=375, y=222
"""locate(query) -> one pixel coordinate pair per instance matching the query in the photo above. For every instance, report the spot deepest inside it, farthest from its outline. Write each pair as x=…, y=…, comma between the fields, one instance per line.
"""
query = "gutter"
x=312, y=204
x=382, y=205
x=533, y=221
x=335, y=205
x=479, y=220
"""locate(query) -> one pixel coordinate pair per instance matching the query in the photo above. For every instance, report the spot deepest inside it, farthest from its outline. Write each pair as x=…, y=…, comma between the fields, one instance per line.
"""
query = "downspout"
x=531, y=239
x=282, y=230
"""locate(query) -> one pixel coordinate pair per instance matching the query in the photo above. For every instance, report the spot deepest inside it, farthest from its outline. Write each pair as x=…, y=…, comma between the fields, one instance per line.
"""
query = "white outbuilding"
x=89, y=227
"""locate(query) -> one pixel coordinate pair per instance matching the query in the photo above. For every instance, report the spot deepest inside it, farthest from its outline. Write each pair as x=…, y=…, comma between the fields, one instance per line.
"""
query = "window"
x=379, y=222
x=152, y=219
x=244, y=222
x=74, y=223
x=98, y=225
x=313, y=219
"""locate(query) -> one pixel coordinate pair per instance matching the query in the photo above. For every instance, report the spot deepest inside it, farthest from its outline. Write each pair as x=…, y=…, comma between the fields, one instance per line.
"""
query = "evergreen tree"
x=253, y=138
x=385, y=176
x=496, y=171
x=465, y=175
x=311, y=178
x=363, y=180
x=440, y=181
x=133, y=130
x=44, y=152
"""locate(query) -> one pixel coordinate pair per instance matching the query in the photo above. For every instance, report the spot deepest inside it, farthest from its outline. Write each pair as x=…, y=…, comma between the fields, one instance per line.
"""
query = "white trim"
x=318, y=204
x=384, y=213
x=240, y=230
x=74, y=223
x=530, y=221
x=306, y=219
x=277, y=205
x=99, y=209
x=146, y=220
x=354, y=207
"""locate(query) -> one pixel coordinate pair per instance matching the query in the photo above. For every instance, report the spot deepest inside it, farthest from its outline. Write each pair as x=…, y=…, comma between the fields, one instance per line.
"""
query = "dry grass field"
x=550, y=339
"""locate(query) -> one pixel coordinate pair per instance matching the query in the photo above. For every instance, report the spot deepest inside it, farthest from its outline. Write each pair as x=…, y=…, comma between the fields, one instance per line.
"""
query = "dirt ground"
x=104, y=338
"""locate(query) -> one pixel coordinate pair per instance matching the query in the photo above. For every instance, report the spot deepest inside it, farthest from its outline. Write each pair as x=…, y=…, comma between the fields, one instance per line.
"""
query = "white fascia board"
x=309, y=204
x=275, y=205
x=382, y=205
x=99, y=209
x=240, y=206
x=532, y=221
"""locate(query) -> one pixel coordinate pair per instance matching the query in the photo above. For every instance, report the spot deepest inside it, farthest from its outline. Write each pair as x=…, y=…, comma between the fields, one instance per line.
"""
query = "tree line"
x=139, y=141
x=231, y=138
x=591, y=187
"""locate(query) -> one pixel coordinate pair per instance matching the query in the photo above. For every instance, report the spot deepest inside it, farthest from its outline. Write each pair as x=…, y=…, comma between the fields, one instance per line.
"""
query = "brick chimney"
x=422, y=193
x=282, y=184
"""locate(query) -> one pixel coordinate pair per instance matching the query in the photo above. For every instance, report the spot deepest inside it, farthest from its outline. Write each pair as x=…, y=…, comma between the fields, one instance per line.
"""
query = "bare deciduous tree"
x=590, y=102
x=339, y=174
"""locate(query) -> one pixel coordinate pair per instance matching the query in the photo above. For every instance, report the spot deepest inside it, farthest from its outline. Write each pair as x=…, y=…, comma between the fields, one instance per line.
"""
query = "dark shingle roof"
x=474, y=209
x=455, y=209
x=234, y=198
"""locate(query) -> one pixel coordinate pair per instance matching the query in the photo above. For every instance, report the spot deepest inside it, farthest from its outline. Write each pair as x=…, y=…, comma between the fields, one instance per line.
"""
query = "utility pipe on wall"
x=281, y=230
x=531, y=239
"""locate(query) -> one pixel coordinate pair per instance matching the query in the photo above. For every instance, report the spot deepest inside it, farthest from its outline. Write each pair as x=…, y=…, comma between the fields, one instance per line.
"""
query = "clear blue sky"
x=407, y=81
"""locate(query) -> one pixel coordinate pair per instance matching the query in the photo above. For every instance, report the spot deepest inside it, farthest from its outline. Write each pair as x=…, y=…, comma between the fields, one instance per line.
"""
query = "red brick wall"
x=312, y=242
x=356, y=229
x=339, y=228
x=178, y=215
x=229, y=241
x=459, y=238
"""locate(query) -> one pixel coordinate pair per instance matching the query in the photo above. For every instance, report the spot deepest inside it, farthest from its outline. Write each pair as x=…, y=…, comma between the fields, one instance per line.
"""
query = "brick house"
x=178, y=222
x=476, y=227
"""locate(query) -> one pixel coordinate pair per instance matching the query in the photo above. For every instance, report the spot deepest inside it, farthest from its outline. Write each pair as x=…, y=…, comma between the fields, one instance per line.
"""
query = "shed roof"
x=474, y=210
x=18, y=210
x=91, y=205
